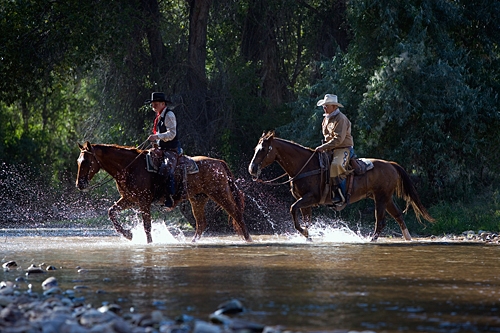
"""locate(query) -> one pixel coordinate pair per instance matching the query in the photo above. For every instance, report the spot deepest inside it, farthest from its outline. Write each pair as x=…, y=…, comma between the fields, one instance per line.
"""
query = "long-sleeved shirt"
x=168, y=122
x=336, y=130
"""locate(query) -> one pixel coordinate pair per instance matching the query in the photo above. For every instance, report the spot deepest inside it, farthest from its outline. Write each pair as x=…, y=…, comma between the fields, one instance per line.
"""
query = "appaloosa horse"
x=140, y=188
x=385, y=179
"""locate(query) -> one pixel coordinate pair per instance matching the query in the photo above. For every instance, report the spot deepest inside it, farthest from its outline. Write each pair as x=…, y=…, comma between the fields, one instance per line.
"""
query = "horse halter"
x=271, y=182
x=259, y=168
x=102, y=182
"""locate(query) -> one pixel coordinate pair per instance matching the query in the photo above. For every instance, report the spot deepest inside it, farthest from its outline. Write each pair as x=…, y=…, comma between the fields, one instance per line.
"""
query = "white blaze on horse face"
x=80, y=159
x=252, y=165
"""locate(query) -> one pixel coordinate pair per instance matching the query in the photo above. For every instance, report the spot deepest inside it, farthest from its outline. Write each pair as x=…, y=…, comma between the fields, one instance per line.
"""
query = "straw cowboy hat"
x=329, y=100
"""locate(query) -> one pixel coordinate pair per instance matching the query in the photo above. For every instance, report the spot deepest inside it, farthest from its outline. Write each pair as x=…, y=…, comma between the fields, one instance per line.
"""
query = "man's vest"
x=172, y=144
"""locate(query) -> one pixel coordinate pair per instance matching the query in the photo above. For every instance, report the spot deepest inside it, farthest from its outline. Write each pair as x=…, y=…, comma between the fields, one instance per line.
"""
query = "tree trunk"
x=152, y=29
x=334, y=29
x=259, y=44
x=197, y=48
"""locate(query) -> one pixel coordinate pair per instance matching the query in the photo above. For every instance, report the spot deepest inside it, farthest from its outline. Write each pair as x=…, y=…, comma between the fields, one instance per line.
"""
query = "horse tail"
x=406, y=190
x=239, y=199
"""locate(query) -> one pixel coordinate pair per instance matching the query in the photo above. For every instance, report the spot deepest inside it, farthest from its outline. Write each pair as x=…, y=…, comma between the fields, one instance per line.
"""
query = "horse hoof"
x=406, y=235
x=309, y=239
x=127, y=234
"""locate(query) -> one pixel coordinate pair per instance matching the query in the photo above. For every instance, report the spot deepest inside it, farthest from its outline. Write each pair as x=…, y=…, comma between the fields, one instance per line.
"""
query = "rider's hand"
x=153, y=137
x=319, y=149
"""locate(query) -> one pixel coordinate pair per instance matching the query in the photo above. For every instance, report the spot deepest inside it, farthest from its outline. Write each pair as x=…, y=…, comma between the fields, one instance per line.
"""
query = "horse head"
x=264, y=154
x=88, y=166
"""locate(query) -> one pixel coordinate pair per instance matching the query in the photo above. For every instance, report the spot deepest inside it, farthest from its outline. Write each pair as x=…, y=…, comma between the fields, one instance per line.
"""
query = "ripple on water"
x=162, y=234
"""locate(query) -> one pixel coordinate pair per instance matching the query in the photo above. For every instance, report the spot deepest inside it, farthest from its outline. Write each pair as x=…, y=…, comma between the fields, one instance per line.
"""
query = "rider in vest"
x=336, y=130
x=165, y=135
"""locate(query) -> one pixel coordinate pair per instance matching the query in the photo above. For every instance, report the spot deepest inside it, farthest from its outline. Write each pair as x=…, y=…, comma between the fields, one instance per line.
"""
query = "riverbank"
x=60, y=311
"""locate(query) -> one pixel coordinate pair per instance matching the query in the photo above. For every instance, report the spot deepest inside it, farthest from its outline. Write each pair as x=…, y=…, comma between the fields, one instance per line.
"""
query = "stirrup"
x=169, y=201
x=338, y=199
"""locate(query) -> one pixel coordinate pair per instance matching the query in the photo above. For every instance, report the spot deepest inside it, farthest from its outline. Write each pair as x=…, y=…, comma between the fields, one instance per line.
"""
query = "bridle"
x=102, y=182
x=271, y=182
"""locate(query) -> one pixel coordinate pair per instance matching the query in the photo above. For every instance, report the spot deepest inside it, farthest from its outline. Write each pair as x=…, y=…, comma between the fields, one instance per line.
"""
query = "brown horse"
x=380, y=183
x=140, y=188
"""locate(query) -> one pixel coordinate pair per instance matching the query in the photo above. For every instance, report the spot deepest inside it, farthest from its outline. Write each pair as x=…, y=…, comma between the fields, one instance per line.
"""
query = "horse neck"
x=113, y=159
x=291, y=156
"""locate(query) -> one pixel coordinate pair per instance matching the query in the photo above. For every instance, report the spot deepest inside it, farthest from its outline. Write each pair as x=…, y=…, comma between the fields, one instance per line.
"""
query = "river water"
x=338, y=281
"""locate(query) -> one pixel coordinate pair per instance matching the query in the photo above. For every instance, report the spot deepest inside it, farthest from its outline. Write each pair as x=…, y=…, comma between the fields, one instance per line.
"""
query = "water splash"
x=29, y=199
x=263, y=210
x=160, y=233
x=267, y=209
x=319, y=232
x=337, y=233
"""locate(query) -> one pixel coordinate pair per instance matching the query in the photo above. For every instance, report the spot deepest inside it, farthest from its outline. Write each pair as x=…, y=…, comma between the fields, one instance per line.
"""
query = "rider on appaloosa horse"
x=165, y=136
x=336, y=130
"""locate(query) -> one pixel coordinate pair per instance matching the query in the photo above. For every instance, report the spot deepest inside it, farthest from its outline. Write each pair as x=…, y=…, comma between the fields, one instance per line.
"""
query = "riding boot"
x=163, y=169
x=339, y=192
x=169, y=200
x=342, y=188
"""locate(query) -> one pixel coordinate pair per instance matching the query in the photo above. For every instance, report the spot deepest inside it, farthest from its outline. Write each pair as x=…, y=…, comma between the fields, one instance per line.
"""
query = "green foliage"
x=422, y=106
x=411, y=87
x=458, y=217
x=419, y=80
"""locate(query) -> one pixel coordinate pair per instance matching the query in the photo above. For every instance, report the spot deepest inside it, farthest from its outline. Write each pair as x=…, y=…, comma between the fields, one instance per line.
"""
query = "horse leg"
x=113, y=211
x=226, y=201
x=396, y=213
x=302, y=203
x=146, y=221
x=306, y=215
x=198, y=203
x=380, y=221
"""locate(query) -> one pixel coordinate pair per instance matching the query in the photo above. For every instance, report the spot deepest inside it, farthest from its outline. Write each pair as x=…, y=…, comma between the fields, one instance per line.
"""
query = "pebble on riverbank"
x=471, y=236
x=55, y=311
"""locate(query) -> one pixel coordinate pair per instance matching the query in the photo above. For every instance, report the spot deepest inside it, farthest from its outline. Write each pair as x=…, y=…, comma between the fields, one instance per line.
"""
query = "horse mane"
x=294, y=143
x=271, y=135
x=118, y=147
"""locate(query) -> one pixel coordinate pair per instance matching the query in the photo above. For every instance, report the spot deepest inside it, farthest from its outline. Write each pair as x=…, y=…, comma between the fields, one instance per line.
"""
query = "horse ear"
x=79, y=145
x=269, y=134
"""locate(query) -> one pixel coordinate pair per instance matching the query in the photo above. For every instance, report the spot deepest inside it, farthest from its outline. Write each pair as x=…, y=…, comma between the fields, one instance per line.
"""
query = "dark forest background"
x=419, y=80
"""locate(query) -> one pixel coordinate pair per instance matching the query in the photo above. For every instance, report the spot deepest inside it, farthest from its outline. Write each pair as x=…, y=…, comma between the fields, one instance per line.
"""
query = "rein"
x=297, y=176
x=110, y=178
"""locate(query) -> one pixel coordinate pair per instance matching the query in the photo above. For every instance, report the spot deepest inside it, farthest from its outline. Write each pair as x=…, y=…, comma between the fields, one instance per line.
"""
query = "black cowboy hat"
x=160, y=97
x=157, y=97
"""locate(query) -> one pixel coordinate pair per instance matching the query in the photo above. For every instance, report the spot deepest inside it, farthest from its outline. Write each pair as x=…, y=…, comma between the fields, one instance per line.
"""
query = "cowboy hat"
x=329, y=100
x=157, y=97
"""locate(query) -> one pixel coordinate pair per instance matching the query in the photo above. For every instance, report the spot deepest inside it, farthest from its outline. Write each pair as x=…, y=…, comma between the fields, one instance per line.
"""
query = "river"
x=339, y=281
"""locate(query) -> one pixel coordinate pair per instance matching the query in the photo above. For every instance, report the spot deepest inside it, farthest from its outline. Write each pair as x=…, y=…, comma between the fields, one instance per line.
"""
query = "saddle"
x=357, y=166
x=184, y=162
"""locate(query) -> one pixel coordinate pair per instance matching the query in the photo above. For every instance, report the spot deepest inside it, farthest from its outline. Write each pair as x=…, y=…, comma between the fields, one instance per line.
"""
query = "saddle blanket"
x=368, y=163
